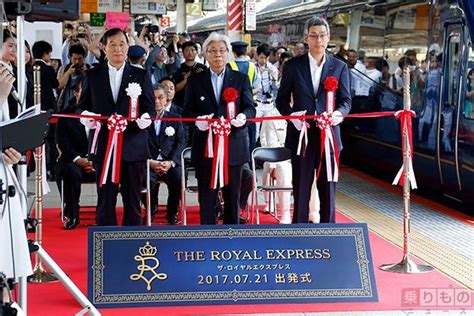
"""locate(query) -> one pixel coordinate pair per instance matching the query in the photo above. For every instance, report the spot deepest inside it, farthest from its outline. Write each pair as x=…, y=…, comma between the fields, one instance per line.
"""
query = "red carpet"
x=69, y=250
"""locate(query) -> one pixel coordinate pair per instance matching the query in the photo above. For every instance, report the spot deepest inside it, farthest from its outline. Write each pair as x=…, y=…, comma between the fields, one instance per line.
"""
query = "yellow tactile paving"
x=444, y=259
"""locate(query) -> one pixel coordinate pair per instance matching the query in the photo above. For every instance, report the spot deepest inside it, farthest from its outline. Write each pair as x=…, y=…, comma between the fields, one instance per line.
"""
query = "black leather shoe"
x=71, y=223
x=172, y=220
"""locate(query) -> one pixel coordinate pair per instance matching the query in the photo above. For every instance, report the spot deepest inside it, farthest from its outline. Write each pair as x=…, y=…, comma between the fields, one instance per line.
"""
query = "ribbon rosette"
x=133, y=91
x=230, y=95
x=405, y=117
x=328, y=143
x=220, y=165
x=116, y=125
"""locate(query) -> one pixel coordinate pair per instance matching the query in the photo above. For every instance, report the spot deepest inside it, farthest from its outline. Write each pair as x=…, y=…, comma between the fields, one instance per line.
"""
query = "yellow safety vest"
x=250, y=72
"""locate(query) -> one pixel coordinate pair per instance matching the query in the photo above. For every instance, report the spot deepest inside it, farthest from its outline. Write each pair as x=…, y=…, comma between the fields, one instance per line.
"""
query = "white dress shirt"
x=115, y=77
x=316, y=71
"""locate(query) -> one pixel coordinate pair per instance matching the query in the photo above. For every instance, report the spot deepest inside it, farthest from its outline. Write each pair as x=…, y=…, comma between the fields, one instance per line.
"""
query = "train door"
x=449, y=110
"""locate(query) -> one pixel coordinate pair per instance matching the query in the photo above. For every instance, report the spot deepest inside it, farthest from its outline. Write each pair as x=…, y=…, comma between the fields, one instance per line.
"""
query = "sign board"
x=120, y=20
x=210, y=5
x=148, y=7
x=250, y=15
x=229, y=264
x=89, y=6
x=165, y=21
x=97, y=19
x=105, y=6
x=193, y=9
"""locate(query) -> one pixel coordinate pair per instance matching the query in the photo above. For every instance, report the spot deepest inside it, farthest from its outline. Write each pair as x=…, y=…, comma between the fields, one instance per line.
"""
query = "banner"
x=229, y=264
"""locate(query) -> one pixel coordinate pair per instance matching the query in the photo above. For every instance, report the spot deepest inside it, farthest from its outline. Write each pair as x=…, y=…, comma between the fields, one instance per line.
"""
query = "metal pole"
x=66, y=281
x=407, y=265
x=22, y=169
x=39, y=274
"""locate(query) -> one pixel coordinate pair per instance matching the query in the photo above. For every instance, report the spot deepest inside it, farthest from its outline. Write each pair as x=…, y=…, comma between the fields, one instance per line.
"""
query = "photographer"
x=14, y=254
x=67, y=75
x=81, y=35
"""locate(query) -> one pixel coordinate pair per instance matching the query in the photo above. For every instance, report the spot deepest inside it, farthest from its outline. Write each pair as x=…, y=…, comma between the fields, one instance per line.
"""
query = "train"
x=438, y=34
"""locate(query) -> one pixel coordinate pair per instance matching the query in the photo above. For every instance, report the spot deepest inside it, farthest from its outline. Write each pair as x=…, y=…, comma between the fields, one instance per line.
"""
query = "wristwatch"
x=173, y=164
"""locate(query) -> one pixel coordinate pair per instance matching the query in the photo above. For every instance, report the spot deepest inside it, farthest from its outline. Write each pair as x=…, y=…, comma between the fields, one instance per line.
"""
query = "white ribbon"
x=303, y=135
x=98, y=125
x=333, y=176
x=220, y=163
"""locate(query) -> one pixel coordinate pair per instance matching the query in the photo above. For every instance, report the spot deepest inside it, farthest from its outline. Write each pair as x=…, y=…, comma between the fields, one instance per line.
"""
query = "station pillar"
x=235, y=17
x=180, y=16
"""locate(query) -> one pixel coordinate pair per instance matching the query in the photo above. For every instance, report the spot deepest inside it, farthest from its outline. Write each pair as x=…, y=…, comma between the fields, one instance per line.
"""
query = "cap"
x=239, y=44
x=136, y=51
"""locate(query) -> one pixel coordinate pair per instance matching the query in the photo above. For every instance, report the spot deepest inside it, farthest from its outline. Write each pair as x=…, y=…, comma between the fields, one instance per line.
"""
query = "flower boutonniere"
x=133, y=91
x=169, y=131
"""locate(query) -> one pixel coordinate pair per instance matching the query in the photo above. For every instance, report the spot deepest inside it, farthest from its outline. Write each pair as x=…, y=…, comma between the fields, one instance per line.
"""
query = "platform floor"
x=440, y=236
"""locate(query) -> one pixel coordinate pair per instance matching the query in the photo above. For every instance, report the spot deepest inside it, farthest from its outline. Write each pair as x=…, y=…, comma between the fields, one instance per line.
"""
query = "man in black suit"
x=42, y=53
x=73, y=166
x=303, y=79
x=203, y=99
x=166, y=140
x=103, y=93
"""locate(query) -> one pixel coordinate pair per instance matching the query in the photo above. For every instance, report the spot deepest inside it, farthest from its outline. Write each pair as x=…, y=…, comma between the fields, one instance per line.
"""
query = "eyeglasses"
x=215, y=51
x=317, y=36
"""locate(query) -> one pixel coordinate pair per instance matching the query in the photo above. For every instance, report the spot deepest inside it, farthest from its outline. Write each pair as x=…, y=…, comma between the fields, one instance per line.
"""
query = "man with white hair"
x=204, y=100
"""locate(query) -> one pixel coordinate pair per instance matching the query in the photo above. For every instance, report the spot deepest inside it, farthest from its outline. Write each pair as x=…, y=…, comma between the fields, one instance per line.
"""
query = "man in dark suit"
x=103, y=93
x=203, y=99
x=303, y=79
x=166, y=140
x=73, y=166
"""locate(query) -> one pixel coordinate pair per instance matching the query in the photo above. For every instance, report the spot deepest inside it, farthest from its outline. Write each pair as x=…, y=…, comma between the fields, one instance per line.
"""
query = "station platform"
x=440, y=236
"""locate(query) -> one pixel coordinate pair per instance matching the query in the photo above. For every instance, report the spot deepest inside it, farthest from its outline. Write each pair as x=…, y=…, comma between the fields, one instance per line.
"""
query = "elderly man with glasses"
x=204, y=99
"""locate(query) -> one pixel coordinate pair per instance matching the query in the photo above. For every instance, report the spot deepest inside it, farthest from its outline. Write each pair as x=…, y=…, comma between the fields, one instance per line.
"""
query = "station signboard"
x=148, y=7
x=250, y=15
x=105, y=6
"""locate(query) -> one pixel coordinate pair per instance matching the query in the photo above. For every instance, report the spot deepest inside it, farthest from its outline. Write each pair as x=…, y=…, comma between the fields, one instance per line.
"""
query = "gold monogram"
x=146, y=254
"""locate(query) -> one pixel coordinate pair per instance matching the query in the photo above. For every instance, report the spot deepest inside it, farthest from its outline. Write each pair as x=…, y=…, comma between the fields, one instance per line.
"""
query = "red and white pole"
x=235, y=18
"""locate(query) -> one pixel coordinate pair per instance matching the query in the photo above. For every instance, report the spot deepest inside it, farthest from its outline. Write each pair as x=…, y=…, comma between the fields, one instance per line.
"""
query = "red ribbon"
x=133, y=109
x=405, y=117
x=116, y=125
x=220, y=163
x=328, y=142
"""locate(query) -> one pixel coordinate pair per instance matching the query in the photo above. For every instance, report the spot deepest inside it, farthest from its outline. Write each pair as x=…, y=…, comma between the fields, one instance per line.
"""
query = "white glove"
x=337, y=118
x=239, y=121
x=88, y=122
x=203, y=125
x=297, y=122
x=144, y=121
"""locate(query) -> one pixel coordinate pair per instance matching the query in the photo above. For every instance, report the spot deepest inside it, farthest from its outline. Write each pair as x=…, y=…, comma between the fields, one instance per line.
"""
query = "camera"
x=166, y=33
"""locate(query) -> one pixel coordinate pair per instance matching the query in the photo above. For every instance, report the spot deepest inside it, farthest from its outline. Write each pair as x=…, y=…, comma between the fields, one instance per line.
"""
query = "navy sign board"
x=208, y=265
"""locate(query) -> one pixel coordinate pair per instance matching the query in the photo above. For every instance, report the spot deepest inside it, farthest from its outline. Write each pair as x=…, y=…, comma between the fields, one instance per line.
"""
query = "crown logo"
x=147, y=250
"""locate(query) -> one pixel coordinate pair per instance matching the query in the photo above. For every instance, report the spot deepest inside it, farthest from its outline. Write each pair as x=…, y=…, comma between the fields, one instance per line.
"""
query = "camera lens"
x=154, y=29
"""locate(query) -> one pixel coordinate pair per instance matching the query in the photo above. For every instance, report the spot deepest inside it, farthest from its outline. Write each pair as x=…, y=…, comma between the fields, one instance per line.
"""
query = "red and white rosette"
x=220, y=164
x=405, y=117
x=116, y=125
x=133, y=91
x=230, y=95
x=328, y=138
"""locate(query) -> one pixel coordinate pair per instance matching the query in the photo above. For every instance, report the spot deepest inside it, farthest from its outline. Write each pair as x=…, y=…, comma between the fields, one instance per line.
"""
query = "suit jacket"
x=200, y=100
x=71, y=137
x=97, y=97
x=296, y=81
x=48, y=83
x=169, y=147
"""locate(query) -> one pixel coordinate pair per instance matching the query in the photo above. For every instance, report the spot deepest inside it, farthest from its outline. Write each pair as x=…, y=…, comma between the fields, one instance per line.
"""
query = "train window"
x=468, y=109
x=406, y=40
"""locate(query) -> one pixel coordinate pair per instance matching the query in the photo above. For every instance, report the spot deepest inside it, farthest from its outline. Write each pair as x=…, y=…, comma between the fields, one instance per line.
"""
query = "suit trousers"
x=132, y=176
x=207, y=196
x=304, y=168
x=72, y=176
x=173, y=180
